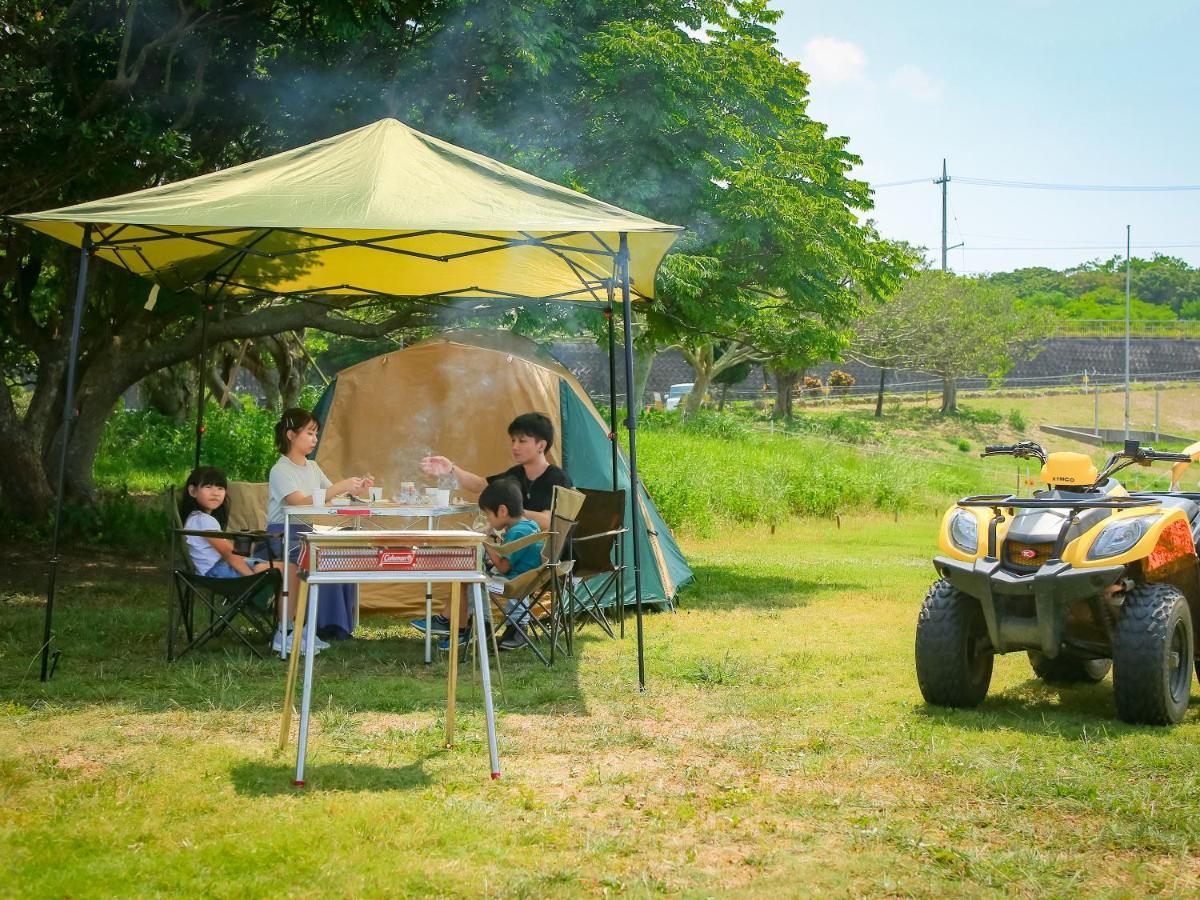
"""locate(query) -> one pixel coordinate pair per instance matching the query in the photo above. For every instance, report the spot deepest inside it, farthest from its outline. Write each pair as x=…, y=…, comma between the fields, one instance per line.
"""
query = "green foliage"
x=1016, y=421
x=1100, y=303
x=705, y=485
x=964, y=445
x=1166, y=283
x=238, y=439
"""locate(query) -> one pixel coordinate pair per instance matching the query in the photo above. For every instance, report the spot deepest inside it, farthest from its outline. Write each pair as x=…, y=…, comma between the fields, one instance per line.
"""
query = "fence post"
x=1097, y=405
x=1157, y=396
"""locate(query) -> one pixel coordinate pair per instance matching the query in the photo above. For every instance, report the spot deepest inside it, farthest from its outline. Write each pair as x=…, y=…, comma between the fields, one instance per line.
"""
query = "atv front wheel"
x=1065, y=669
x=1153, y=656
x=954, y=653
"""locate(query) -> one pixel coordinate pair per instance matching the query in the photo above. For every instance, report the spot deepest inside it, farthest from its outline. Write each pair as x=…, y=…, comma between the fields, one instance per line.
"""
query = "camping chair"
x=539, y=592
x=600, y=527
x=244, y=606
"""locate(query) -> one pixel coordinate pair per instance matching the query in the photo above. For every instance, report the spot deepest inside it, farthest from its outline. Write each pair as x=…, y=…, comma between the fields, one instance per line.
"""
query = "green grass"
x=781, y=747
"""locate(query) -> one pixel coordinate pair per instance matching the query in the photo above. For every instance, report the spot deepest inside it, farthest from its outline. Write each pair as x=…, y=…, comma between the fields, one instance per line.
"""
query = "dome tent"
x=455, y=394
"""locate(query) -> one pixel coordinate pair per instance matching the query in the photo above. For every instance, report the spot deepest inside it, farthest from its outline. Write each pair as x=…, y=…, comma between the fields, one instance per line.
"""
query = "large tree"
x=964, y=326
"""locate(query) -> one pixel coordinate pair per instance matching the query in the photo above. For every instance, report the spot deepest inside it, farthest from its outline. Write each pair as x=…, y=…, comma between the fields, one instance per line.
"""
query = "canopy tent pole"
x=613, y=443
x=68, y=417
x=631, y=424
x=201, y=365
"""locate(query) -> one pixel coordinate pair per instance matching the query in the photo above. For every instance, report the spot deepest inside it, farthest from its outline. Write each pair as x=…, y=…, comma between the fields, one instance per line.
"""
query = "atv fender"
x=1054, y=587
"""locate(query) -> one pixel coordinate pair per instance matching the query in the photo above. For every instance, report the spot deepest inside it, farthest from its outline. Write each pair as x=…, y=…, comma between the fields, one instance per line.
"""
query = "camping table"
x=373, y=557
x=362, y=513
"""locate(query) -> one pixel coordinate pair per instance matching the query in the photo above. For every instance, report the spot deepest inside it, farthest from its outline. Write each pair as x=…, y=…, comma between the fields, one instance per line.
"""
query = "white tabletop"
x=380, y=508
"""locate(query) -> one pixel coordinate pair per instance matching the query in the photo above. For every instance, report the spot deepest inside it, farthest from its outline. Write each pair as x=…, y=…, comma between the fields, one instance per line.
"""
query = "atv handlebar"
x=1022, y=450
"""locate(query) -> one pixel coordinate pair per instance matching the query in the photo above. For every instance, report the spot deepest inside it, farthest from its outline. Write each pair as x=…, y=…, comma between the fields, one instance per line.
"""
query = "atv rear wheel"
x=954, y=653
x=1065, y=669
x=1153, y=656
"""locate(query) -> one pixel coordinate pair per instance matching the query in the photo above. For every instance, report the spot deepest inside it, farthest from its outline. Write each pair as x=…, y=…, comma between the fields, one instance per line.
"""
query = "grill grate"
x=392, y=559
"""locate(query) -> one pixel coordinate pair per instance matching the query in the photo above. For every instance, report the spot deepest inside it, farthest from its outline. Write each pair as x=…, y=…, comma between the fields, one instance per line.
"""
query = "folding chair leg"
x=521, y=609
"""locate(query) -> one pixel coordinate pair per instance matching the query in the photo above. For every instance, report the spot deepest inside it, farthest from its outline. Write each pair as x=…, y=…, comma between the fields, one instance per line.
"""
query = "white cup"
x=319, y=497
x=376, y=494
x=443, y=497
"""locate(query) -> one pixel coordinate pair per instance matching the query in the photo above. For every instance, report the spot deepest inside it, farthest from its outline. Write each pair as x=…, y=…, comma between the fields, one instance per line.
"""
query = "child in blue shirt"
x=502, y=507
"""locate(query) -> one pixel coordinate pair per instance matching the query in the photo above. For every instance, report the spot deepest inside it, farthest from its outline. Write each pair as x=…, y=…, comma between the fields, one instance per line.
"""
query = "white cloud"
x=832, y=61
x=915, y=83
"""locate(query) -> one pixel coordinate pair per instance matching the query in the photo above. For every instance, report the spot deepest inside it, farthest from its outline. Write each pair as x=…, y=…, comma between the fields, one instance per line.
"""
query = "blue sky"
x=1060, y=91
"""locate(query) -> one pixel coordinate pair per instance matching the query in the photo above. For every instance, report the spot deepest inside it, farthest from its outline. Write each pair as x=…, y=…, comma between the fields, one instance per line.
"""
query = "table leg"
x=428, y=623
x=452, y=678
x=428, y=607
x=289, y=693
x=284, y=593
x=306, y=697
x=485, y=674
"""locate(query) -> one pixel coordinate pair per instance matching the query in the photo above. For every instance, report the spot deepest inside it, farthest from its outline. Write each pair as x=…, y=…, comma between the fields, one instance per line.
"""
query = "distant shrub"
x=1016, y=421
x=714, y=424
x=980, y=416
x=812, y=382
x=964, y=445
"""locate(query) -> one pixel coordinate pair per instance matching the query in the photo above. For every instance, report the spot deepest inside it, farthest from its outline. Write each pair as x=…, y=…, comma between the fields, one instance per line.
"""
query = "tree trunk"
x=169, y=391
x=949, y=396
x=643, y=361
x=24, y=487
x=724, y=393
x=785, y=383
x=699, y=389
x=879, y=399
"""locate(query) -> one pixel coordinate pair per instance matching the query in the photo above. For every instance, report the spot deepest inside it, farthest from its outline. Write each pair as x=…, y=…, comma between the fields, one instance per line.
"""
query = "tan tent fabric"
x=381, y=210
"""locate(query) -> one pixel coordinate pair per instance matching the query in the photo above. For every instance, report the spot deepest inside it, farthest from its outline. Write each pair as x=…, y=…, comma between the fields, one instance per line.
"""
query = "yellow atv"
x=1082, y=576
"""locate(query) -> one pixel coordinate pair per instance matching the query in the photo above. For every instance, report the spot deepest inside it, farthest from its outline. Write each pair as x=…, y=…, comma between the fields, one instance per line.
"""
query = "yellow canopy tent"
x=383, y=211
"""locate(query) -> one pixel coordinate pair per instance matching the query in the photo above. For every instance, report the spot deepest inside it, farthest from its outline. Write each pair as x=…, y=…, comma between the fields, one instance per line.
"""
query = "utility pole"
x=944, y=181
x=1128, y=231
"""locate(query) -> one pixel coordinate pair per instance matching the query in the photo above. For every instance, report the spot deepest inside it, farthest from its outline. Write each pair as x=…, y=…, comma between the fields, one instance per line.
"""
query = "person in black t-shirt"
x=532, y=434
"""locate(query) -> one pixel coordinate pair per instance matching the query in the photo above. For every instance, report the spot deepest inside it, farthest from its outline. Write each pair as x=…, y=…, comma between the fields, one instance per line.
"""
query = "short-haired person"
x=501, y=506
x=531, y=435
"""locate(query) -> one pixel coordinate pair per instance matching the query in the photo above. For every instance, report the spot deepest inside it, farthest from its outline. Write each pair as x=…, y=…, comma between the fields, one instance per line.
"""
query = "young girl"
x=292, y=482
x=205, y=507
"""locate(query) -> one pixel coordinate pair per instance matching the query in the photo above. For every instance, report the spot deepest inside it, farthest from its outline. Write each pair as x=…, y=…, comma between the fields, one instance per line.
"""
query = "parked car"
x=676, y=394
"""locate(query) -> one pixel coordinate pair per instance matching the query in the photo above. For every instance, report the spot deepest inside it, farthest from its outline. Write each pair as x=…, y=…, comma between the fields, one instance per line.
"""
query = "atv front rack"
x=1000, y=502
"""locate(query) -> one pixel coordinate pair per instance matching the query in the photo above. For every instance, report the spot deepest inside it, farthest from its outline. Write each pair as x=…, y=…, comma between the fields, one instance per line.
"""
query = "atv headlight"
x=964, y=531
x=1119, y=536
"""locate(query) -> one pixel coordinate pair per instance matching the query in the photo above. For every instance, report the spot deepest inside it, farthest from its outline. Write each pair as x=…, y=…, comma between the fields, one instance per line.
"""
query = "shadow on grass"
x=272, y=779
x=740, y=587
x=113, y=653
x=1072, y=712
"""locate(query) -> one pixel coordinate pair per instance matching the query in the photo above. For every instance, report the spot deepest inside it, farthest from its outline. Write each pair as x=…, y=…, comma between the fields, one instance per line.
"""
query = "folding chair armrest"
x=508, y=549
x=601, y=534
x=225, y=535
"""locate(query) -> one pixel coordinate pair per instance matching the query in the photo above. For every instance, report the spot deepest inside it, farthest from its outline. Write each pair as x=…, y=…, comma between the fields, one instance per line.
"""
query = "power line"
x=1045, y=186
x=1041, y=186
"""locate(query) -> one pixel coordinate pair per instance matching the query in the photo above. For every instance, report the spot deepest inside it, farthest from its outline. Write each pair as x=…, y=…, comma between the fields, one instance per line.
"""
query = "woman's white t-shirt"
x=287, y=478
x=204, y=555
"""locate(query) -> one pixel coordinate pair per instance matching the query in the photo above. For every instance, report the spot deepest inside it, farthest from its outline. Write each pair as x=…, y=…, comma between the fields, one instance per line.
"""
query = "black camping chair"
x=243, y=606
x=596, y=573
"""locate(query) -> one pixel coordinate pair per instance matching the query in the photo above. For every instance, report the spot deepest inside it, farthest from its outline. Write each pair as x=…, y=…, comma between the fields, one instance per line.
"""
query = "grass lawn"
x=781, y=748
